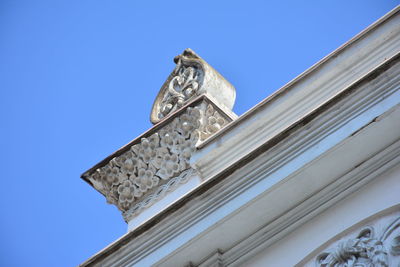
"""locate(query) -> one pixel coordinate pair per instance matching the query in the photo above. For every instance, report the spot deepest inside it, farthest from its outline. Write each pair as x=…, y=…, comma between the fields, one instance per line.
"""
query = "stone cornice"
x=373, y=242
x=343, y=108
x=329, y=124
x=272, y=167
x=302, y=96
x=352, y=181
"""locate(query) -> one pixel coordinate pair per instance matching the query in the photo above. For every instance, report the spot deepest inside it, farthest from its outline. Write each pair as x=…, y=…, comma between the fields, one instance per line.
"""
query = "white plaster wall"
x=378, y=195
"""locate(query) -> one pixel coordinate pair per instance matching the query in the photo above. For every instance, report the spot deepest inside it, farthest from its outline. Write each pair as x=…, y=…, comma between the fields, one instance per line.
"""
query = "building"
x=308, y=177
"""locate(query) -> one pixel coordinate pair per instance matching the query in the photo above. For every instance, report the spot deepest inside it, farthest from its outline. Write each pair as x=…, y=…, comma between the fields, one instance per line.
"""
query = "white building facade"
x=308, y=177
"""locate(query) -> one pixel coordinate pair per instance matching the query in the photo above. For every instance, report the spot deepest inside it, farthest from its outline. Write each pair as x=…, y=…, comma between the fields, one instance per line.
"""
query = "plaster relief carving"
x=140, y=175
x=372, y=247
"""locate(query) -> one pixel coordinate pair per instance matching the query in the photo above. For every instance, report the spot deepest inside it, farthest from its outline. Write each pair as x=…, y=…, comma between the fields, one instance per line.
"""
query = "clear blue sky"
x=78, y=79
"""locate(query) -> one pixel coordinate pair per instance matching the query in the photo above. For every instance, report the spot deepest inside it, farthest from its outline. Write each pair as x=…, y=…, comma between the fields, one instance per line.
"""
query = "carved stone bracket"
x=148, y=167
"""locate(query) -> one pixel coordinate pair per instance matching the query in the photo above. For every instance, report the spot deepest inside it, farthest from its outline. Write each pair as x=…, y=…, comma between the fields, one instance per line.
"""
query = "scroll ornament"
x=191, y=78
x=181, y=88
x=367, y=249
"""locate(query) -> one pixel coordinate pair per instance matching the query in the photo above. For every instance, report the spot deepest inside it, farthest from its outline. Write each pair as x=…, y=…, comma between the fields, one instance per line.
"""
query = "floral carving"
x=367, y=249
x=181, y=88
x=190, y=122
x=128, y=178
x=169, y=167
x=127, y=192
x=361, y=251
x=214, y=122
x=146, y=180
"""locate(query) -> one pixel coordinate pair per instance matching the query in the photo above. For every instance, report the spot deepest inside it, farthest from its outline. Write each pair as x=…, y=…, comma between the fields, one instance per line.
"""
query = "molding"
x=215, y=260
x=170, y=186
x=349, y=183
x=301, y=97
x=340, y=122
x=371, y=242
x=366, y=248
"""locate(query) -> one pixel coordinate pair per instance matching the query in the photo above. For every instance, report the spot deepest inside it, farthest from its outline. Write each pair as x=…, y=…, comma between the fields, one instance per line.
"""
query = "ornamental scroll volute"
x=374, y=244
x=191, y=106
x=191, y=77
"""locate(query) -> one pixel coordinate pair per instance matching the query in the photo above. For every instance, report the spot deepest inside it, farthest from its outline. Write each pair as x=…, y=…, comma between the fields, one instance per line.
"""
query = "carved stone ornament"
x=191, y=77
x=154, y=164
x=193, y=104
x=373, y=247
